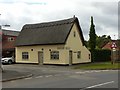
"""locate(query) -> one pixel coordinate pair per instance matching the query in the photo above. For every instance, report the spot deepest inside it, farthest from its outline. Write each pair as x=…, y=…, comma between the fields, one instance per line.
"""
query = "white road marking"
x=82, y=72
x=100, y=84
x=97, y=71
x=28, y=78
x=48, y=75
x=12, y=81
x=87, y=71
x=79, y=72
x=57, y=75
x=104, y=70
x=39, y=77
x=92, y=71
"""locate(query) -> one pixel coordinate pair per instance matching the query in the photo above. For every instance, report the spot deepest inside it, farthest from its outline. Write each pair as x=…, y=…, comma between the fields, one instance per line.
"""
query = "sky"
x=17, y=13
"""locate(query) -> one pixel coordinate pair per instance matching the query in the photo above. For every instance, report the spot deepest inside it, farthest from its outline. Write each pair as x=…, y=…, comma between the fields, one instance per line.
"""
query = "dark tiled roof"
x=10, y=32
x=46, y=33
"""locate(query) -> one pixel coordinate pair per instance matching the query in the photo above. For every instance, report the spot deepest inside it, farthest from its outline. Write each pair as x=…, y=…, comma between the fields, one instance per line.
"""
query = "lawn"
x=99, y=65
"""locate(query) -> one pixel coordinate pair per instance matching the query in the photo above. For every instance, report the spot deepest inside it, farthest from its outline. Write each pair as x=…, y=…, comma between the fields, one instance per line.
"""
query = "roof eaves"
x=80, y=31
x=41, y=44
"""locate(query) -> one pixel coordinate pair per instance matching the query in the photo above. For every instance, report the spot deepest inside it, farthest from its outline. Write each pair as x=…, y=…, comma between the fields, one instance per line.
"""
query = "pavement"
x=16, y=71
x=9, y=75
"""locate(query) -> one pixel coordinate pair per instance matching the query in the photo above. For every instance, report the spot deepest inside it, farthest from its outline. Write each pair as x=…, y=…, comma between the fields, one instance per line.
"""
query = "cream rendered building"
x=58, y=42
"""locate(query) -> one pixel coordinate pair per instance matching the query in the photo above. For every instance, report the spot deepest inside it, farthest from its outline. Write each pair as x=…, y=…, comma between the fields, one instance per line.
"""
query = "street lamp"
x=1, y=45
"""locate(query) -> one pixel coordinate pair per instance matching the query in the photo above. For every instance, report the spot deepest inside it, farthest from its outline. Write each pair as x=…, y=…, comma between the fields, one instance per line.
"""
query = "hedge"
x=102, y=55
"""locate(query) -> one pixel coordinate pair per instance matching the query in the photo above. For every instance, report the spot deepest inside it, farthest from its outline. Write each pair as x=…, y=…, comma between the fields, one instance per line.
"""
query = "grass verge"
x=98, y=66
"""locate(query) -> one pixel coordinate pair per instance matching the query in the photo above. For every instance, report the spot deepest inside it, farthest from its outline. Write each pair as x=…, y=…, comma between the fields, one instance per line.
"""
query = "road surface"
x=63, y=77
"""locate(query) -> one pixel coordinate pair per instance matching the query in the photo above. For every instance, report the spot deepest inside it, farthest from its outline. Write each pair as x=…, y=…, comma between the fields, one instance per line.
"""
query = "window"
x=54, y=54
x=10, y=39
x=79, y=54
x=25, y=55
x=89, y=56
x=74, y=34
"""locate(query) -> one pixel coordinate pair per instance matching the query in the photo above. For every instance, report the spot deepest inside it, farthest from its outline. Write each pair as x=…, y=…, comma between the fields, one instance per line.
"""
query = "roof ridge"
x=49, y=24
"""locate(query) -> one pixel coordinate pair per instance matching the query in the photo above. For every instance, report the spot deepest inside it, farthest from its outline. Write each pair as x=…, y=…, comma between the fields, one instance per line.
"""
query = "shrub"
x=102, y=55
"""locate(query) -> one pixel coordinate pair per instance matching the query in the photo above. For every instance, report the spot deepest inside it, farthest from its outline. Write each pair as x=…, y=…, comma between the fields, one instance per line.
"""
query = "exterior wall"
x=8, y=48
x=75, y=44
x=6, y=43
x=33, y=55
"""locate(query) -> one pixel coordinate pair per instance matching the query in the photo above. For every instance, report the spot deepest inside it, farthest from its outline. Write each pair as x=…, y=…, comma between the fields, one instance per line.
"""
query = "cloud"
x=107, y=18
x=20, y=12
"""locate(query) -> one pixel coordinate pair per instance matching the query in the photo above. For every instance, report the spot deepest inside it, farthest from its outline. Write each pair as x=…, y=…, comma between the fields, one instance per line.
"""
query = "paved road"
x=63, y=77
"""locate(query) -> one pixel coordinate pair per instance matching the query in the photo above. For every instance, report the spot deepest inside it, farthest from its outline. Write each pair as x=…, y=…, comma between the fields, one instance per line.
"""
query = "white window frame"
x=54, y=55
x=25, y=55
x=10, y=39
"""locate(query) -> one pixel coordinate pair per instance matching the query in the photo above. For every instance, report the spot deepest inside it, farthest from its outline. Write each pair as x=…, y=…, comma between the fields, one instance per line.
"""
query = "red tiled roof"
x=109, y=45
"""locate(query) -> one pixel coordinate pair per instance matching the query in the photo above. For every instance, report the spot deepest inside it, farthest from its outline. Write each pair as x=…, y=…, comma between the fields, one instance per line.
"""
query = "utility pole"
x=1, y=68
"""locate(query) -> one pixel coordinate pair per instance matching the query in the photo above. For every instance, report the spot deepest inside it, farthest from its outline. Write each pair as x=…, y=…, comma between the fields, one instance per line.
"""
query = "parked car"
x=7, y=60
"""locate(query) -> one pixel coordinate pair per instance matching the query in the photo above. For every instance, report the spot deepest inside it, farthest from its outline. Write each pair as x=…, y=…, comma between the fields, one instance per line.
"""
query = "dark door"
x=70, y=57
x=40, y=57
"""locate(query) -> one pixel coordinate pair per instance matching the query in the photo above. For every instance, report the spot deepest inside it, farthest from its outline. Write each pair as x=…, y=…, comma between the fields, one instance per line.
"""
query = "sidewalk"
x=8, y=75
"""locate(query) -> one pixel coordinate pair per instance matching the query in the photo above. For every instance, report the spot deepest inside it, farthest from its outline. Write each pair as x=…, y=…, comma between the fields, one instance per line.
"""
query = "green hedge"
x=102, y=55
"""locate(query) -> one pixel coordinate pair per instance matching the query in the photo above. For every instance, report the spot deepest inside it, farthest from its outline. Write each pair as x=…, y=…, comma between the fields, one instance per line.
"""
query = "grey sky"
x=20, y=12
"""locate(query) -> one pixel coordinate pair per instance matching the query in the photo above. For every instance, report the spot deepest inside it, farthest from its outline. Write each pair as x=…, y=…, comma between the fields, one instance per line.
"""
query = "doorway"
x=70, y=57
x=40, y=57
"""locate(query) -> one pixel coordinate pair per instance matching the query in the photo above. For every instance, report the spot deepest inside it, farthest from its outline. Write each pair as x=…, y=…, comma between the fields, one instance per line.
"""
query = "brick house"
x=8, y=38
x=109, y=45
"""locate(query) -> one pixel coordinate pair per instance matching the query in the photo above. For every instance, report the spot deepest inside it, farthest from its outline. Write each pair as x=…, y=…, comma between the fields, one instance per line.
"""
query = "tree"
x=108, y=37
x=102, y=40
x=92, y=39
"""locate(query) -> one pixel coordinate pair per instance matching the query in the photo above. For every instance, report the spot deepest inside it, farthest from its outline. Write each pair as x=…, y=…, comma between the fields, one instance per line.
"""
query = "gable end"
x=79, y=31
